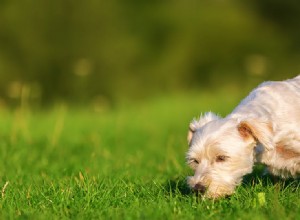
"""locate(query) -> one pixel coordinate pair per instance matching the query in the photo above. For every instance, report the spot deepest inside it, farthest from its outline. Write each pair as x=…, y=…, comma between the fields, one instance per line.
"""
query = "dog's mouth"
x=212, y=195
x=207, y=189
x=212, y=192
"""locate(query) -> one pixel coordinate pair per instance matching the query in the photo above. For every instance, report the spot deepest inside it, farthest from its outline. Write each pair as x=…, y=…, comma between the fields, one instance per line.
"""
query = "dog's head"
x=221, y=152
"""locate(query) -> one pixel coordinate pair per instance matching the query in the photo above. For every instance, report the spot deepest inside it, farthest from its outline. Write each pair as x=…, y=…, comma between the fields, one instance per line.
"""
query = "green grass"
x=127, y=163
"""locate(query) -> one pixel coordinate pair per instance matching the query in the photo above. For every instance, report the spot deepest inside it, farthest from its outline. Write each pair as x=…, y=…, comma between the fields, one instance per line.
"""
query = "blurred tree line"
x=97, y=50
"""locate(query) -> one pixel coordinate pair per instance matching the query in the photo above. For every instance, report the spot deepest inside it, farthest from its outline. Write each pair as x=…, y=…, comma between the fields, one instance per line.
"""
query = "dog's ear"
x=198, y=123
x=260, y=131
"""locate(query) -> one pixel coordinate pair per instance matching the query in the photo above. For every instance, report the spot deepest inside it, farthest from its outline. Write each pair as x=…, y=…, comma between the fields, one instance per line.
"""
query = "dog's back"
x=276, y=102
x=272, y=100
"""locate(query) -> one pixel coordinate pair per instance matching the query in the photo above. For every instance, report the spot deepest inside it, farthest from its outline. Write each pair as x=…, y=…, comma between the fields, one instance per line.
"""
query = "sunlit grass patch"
x=127, y=163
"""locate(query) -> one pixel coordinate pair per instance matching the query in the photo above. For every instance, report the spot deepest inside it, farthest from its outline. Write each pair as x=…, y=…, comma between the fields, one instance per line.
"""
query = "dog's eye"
x=193, y=161
x=221, y=158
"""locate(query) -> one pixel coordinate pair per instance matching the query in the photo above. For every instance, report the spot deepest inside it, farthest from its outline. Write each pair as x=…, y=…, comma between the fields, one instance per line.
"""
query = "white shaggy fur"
x=263, y=128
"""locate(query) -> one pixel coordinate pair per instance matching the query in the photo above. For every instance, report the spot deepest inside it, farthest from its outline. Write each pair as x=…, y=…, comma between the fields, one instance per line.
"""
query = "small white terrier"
x=263, y=128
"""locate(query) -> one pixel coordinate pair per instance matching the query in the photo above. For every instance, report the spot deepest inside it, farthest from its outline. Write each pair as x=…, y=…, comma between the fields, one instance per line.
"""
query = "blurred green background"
x=101, y=53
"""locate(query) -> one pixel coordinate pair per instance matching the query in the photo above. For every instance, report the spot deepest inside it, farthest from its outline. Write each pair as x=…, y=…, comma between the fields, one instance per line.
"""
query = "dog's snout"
x=200, y=188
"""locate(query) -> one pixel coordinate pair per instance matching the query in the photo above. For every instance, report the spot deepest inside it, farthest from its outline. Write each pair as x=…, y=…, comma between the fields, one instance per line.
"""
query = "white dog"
x=264, y=128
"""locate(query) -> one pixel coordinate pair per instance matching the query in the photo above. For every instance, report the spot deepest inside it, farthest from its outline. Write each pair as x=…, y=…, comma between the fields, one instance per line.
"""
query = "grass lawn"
x=127, y=163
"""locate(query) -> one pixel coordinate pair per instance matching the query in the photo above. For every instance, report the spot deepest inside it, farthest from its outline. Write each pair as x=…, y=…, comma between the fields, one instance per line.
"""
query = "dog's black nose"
x=200, y=188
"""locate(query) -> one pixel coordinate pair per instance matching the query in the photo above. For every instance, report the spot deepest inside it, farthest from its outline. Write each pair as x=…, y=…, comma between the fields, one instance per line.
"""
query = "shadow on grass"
x=257, y=177
x=177, y=185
